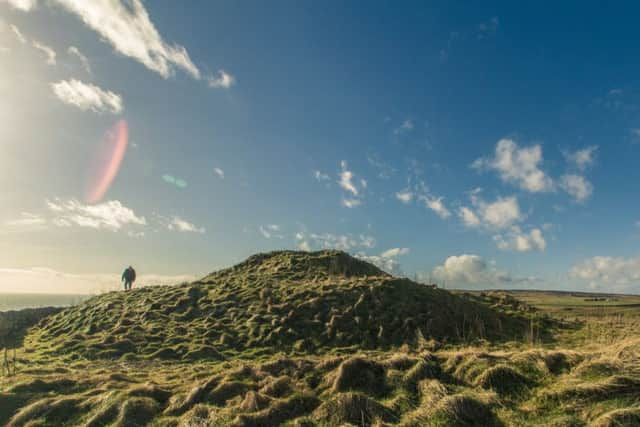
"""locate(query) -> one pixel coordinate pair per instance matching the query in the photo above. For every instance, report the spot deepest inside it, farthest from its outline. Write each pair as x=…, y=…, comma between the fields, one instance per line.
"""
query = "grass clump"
x=627, y=417
x=353, y=408
x=360, y=374
x=503, y=379
x=461, y=410
x=137, y=411
x=279, y=412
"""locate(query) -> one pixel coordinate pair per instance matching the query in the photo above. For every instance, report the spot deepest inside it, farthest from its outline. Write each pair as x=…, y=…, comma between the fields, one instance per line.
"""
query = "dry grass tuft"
x=627, y=417
x=503, y=379
x=354, y=408
x=279, y=411
x=360, y=374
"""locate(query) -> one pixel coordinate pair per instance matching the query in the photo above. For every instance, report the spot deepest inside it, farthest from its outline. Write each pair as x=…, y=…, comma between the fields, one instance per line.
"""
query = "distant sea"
x=20, y=301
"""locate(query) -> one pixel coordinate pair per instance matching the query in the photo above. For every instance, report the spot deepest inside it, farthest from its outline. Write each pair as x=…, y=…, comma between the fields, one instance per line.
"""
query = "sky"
x=491, y=145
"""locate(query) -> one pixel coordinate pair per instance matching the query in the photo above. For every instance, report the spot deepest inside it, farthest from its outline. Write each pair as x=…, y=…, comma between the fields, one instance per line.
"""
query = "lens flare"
x=107, y=162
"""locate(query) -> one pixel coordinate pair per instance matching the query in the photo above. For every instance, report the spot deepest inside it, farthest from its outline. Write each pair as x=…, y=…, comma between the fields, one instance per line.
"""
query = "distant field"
x=19, y=301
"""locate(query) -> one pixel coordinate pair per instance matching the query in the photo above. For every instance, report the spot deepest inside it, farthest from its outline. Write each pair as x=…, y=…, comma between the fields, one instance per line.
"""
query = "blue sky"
x=491, y=145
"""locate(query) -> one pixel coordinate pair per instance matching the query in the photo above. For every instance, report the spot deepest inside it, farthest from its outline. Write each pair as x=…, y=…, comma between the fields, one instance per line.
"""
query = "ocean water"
x=20, y=301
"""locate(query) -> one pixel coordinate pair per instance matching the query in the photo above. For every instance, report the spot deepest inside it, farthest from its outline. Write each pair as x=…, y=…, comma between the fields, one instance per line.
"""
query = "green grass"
x=323, y=339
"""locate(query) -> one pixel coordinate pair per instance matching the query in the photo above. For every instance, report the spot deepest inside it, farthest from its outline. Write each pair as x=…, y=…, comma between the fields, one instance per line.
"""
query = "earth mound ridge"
x=285, y=301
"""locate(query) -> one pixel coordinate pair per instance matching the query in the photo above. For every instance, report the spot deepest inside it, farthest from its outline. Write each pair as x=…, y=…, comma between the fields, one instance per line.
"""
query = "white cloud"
x=111, y=215
x=517, y=240
x=387, y=260
x=346, y=179
x=394, y=252
x=436, y=205
x=471, y=271
x=270, y=230
x=27, y=220
x=309, y=241
x=87, y=96
x=469, y=218
x=582, y=159
x=405, y=127
x=219, y=172
x=48, y=52
x=520, y=166
x=222, y=80
x=84, y=61
x=24, y=5
x=128, y=28
x=46, y=280
x=179, y=224
x=606, y=270
x=16, y=31
x=501, y=213
x=320, y=176
x=350, y=202
x=405, y=196
x=577, y=187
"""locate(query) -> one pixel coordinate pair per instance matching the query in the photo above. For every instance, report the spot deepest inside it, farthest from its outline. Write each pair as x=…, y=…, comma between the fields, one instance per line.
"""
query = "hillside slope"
x=296, y=302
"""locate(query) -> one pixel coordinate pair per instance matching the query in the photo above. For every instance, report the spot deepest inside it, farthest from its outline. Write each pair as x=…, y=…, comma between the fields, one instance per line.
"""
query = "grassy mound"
x=296, y=302
x=503, y=379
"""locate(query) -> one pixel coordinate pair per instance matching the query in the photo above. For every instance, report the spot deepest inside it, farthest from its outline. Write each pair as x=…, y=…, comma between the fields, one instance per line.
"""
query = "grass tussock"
x=627, y=417
x=503, y=379
x=360, y=374
x=354, y=408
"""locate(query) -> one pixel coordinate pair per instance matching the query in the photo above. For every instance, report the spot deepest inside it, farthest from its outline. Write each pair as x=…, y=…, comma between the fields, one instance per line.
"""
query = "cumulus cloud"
x=84, y=61
x=49, y=53
x=601, y=271
x=219, y=172
x=222, y=80
x=519, y=166
x=577, y=186
x=344, y=242
x=46, y=280
x=472, y=272
x=24, y=5
x=87, y=96
x=111, y=215
x=517, y=240
x=436, y=205
x=270, y=230
x=501, y=213
x=583, y=158
x=179, y=224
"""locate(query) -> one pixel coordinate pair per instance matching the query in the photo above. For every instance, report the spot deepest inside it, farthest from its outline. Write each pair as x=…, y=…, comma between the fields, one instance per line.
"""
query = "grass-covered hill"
x=321, y=340
x=296, y=302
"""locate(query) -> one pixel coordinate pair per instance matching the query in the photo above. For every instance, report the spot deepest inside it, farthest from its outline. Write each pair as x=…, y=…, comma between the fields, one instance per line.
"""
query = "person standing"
x=128, y=277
